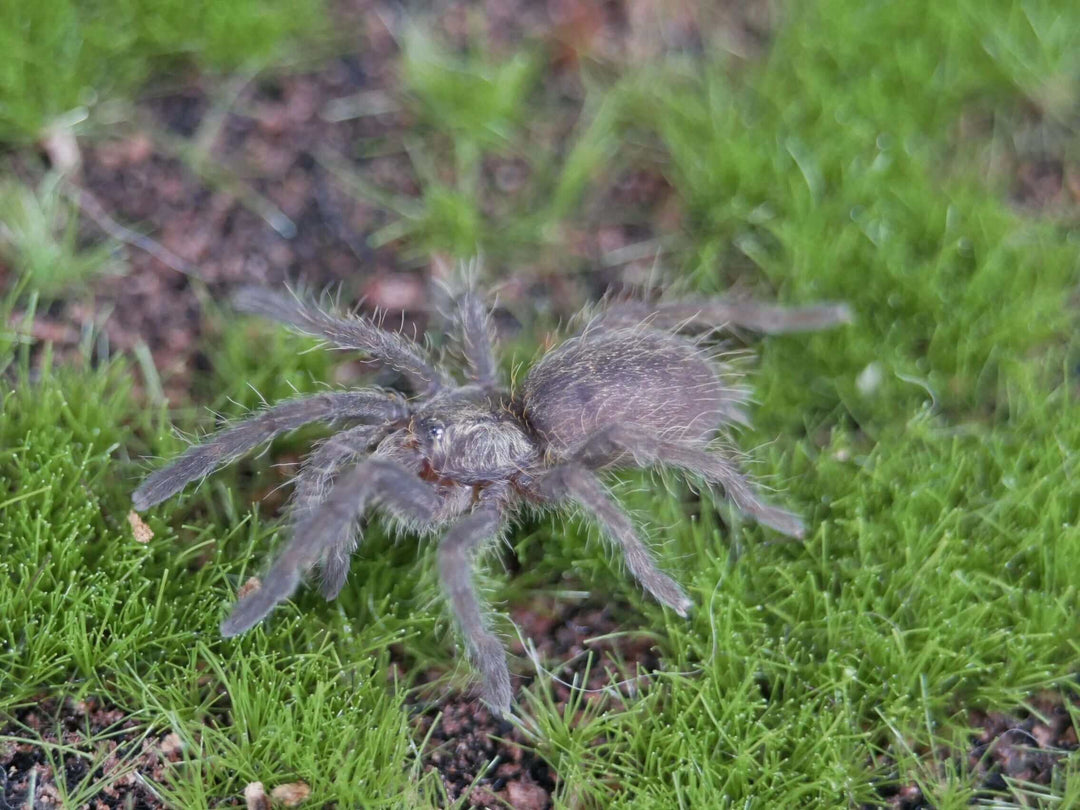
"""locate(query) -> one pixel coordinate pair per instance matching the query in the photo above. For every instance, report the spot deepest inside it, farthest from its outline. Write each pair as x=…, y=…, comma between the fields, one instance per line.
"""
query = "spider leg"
x=720, y=313
x=477, y=338
x=312, y=486
x=325, y=527
x=485, y=649
x=352, y=332
x=574, y=481
x=228, y=445
x=648, y=449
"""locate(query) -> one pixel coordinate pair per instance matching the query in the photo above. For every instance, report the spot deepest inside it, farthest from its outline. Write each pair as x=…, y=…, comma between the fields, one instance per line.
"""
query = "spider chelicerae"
x=462, y=458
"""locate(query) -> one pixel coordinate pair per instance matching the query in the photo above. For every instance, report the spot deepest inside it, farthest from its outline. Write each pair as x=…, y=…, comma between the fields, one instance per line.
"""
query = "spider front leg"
x=455, y=571
x=328, y=526
x=353, y=332
x=313, y=485
x=721, y=313
x=228, y=445
x=573, y=481
x=477, y=339
x=647, y=450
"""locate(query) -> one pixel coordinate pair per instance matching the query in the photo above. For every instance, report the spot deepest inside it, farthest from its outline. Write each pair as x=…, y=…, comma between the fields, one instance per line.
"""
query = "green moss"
x=930, y=446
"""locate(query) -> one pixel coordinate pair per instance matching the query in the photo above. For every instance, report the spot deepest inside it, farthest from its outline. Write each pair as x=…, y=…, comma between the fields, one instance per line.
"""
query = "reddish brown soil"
x=1023, y=747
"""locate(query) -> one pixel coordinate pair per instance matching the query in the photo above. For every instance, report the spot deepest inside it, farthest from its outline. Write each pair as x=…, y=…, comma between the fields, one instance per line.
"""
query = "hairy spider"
x=463, y=458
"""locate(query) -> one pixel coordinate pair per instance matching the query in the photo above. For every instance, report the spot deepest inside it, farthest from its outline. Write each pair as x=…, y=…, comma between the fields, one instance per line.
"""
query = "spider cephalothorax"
x=463, y=458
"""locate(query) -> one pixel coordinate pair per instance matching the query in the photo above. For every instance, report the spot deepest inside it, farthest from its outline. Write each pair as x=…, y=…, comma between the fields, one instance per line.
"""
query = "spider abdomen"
x=636, y=378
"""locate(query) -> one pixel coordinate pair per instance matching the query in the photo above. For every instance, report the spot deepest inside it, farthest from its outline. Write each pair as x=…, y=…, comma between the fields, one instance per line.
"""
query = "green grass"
x=932, y=446
x=87, y=610
x=39, y=238
x=60, y=58
x=62, y=62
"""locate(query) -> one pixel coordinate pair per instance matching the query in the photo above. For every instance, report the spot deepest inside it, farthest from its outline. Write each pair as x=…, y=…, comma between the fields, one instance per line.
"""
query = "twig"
x=90, y=206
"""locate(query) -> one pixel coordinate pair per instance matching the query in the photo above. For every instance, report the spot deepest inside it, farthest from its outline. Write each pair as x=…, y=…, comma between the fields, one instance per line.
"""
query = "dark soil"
x=1047, y=183
x=482, y=757
x=266, y=144
x=589, y=648
x=113, y=750
x=488, y=760
x=1023, y=747
x=1032, y=157
x=1039, y=151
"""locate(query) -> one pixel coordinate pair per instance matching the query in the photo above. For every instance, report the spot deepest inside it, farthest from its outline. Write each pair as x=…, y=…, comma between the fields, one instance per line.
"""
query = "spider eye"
x=430, y=429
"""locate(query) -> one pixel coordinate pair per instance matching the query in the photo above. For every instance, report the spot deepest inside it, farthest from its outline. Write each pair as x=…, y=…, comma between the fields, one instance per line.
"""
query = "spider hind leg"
x=579, y=484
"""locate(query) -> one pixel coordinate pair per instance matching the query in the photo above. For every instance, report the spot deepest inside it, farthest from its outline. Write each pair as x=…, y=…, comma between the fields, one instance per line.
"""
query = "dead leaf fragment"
x=526, y=796
x=171, y=744
x=290, y=795
x=252, y=585
x=142, y=532
x=255, y=796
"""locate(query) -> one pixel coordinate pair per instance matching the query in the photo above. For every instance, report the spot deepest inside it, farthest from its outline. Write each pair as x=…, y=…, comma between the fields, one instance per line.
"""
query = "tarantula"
x=463, y=458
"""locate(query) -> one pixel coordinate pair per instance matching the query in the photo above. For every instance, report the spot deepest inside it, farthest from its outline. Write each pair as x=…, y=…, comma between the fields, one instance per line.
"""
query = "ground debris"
x=255, y=796
x=291, y=794
x=142, y=532
x=480, y=757
x=253, y=584
x=586, y=649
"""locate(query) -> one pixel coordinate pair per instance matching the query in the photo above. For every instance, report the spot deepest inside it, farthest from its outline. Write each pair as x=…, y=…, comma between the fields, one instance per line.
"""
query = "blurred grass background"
x=63, y=57
x=868, y=153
